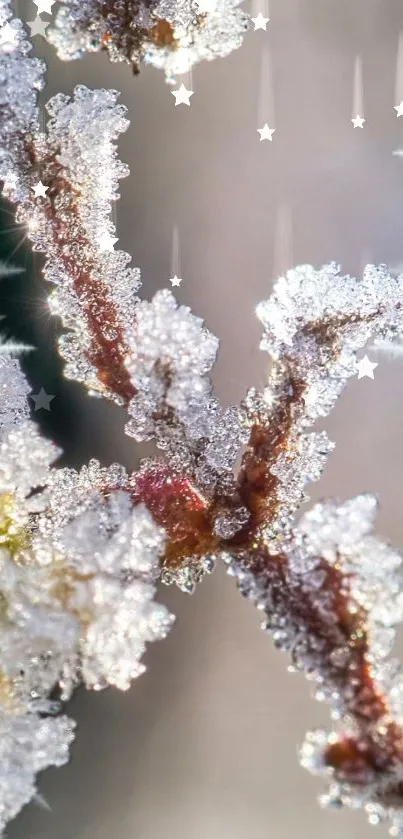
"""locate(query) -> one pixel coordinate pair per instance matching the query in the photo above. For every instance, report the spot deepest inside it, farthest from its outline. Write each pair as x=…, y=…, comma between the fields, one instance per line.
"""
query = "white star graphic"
x=106, y=242
x=42, y=399
x=366, y=367
x=38, y=26
x=399, y=109
x=182, y=95
x=40, y=190
x=44, y=6
x=358, y=121
x=260, y=22
x=175, y=281
x=266, y=133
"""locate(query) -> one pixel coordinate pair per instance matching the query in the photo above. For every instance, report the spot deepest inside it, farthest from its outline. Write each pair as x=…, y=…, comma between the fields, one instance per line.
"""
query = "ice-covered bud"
x=172, y=354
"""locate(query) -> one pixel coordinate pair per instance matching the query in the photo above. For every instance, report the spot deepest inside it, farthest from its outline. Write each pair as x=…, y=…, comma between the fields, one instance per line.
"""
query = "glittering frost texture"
x=81, y=551
x=173, y=353
x=28, y=744
x=78, y=567
x=20, y=79
x=76, y=162
x=173, y=35
x=331, y=591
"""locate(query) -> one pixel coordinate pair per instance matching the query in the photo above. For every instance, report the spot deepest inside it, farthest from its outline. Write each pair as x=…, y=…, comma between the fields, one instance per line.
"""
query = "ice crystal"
x=173, y=35
x=28, y=744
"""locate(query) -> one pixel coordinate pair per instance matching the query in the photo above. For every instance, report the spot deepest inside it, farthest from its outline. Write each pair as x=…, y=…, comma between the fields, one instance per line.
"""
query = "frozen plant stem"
x=80, y=556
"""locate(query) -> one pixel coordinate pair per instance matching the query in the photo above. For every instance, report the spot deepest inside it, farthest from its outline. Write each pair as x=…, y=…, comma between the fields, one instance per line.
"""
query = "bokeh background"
x=204, y=746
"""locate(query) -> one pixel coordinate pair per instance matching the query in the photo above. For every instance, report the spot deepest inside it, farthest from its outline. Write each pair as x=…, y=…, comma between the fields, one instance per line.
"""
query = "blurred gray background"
x=204, y=746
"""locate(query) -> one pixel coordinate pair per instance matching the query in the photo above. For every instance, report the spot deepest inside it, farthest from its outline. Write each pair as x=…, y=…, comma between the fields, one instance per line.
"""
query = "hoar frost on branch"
x=173, y=35
x=81, y=552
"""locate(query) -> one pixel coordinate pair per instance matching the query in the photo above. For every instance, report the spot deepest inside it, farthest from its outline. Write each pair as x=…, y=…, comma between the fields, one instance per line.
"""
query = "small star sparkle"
x=260, y=22
x=366, y=367
x=40, y=190
x=38, y=26
x=358, y=121
x=44, y=6
x=175, y=281
x=266, y=133
x=182, y=95
x=106, y=242
x=399, y=109
x=42, y=399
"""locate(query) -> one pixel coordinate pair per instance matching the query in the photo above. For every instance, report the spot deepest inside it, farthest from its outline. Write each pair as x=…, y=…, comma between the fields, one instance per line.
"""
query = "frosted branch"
x=173, y=35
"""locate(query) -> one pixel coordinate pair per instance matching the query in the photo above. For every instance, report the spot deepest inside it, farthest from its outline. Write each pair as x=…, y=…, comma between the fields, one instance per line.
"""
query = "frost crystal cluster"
x=81, y=551
x=173, y=35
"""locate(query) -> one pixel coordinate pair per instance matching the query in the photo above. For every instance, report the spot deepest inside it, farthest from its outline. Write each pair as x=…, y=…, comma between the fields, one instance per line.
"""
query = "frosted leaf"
x=28, y=744
x=173, y=35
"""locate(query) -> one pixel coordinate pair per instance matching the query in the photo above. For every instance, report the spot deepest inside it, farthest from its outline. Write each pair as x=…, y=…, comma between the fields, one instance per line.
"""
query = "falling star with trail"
x=358, y=95
x=266, y=97
x=283, y=258
x=260, y=14
x=175, y=260
x=185, y=90
x=399, y=77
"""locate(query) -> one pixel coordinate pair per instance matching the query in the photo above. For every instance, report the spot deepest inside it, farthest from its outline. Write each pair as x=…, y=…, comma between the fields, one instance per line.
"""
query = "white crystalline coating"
x=314, y=323
x=172, y=355
x=78, y=568
x=14, y=389
x=342, y=533
x=339, y=535
x=82, y=132
x=28, y=744
x=357, y=309
x=173, y=352
x=109, y=554
x=37, y=634
x=221, y=31
x=25, y=459
x=195, y=34
x=73, y=228
x=71, y=494
x=20, y=79
x=125, y=618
